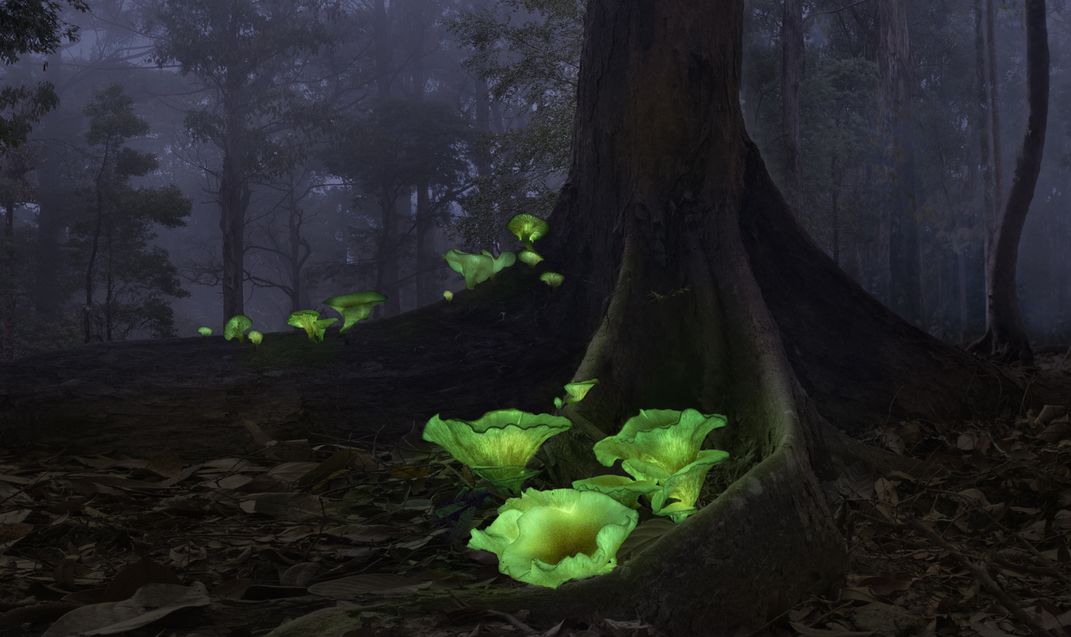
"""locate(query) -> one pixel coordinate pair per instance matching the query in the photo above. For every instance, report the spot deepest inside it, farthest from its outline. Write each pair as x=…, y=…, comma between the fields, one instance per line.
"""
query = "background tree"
x=400, y=143
x=30, y=27
x=1005, y=335
x=116, y=235
x=247, y=55
x=792, y=40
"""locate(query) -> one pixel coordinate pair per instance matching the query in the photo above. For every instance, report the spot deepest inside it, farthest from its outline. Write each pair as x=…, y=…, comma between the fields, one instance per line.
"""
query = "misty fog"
x=213, y=157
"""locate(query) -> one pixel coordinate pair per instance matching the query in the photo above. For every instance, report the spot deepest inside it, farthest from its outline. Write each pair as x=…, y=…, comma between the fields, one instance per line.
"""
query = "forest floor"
x=237, y=545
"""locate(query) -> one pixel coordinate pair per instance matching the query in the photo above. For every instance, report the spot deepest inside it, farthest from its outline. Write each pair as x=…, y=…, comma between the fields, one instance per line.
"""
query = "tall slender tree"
x=1005, y=336
x=792, y=43
x=894, y=62
x=247, y=55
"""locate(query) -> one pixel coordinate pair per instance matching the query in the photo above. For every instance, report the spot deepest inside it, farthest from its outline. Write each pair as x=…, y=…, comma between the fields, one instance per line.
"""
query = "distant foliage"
x=528, y=52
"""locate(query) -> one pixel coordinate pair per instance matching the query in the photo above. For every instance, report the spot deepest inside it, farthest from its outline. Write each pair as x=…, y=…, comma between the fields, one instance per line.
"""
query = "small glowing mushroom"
x=553, y=279
x=204, y=331
x=529, y=257
x=448, y=295
x=310, y=321
x=477, y=268
x=236, y=327
x=256, y=338
x=575, y=392
x=547, y=538
x=354, y=307
x=528, y=228
x=498, y=445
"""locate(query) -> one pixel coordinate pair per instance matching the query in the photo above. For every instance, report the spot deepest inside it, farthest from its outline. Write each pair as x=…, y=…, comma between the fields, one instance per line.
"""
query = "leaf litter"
x=246, y=545
x=295, y=536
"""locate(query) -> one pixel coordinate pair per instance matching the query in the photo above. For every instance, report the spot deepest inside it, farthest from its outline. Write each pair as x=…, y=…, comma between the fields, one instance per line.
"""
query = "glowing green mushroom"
x=497, y=446
x=310, y=321
x=236, y=327
x=477, y=268
x=553, y=279
x=578, y=390
x=448, y=295
x=547, y=538
x=204, y=331
x=256, y=338
x=354, y=307
x=658, y=442
x=625, y=490
x=528, y=228
x=663, y=446
x=678, y=493
x=529, y=257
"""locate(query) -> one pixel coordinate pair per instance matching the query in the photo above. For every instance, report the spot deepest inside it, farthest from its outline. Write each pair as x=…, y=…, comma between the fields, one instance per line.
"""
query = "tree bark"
x=792, y=66
x=894, y=61
x=234, y=197
x=1005, y=337
x=994, y=112
x=427, y=259
x=984, y=122
x=98, y=229
x=10, y=285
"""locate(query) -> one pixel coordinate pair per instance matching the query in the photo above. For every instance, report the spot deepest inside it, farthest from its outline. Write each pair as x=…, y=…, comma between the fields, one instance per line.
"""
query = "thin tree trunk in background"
x=387, y=250
x=234, y=192
x=834, y=196
x=387, y=255
x=994, y=114
x=1005, y=336
x=109, y=286
x=426, y=257
x=299, y=250
x=234, y=200
x=894, y=60
x=791, y=76
x=985, y=130
x=10, y=288
x=91, y=265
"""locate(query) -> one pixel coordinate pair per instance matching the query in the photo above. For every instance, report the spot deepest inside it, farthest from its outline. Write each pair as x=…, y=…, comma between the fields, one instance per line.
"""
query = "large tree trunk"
x=703, y=292
x=1005, y=335
x=894, y=61
x=791, y=77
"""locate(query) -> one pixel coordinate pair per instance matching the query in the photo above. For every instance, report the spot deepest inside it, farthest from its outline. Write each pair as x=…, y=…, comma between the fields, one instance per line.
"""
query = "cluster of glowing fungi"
x=549, y=537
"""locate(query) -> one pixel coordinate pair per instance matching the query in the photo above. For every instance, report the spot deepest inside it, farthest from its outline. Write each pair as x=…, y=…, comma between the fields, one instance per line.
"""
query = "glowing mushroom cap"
x=476, y=268
x=236, y=327
x=529, y=257
x=657, y=443
x=528, y=228
x=354, y=307
x=301, y=318
x=547, y=538
x=256, y=337
x=677, y=495
x=578, y=390
x=204, y=331
x=553, y=279
x=499, y=444
x=310, y=321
